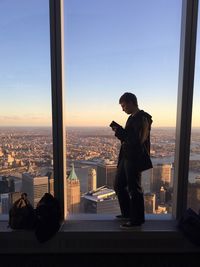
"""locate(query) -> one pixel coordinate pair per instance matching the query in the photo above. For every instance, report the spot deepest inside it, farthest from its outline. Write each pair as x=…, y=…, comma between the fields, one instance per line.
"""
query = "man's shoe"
x=121, y=217
x=131, y=225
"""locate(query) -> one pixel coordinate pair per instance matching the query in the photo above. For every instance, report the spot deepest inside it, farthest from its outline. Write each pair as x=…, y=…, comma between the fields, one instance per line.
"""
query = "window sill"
x=101, y=235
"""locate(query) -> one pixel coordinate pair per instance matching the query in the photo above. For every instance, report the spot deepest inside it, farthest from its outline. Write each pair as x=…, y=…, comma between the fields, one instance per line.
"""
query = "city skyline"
x=110, y=47
x=28, y=153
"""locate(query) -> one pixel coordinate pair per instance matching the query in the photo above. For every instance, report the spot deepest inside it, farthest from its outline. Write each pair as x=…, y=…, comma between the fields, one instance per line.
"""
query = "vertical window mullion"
x=184, y=107
x=57, y=84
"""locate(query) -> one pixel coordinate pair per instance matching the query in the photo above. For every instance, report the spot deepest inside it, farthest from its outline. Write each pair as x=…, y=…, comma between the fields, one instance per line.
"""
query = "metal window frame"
x=184, y=105
x=56, y=8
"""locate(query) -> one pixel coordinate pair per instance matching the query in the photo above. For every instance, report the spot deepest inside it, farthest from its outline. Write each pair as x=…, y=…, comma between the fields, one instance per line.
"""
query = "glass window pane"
x=193, y=200
x=113, y=47
x=26, y=160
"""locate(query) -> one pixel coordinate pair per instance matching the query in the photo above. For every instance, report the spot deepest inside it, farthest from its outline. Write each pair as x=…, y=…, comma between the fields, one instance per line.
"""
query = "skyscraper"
x=150, y=203
x=34, y=186
x=146, y=180
x=6, y=184
x=73, y=192
x=162, y=195
x=5, y=203
x=106, y=174
x=82, y=174
x=102, y=200
x=162, y=175
x=92, y=179
x=13, y=197
x=50, y=182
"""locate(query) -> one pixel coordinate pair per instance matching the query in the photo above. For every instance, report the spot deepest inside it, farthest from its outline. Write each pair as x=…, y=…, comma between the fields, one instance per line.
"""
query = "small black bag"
x=21, y=214
x=189, y=224
x=48, y=214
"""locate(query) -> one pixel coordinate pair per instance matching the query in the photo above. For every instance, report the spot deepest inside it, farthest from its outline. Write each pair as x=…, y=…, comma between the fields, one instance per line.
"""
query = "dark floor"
x=99, y=242
x=101, y=260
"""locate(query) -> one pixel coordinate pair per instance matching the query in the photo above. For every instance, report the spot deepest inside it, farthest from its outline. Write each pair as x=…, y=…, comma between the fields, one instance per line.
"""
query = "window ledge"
x=100, y=236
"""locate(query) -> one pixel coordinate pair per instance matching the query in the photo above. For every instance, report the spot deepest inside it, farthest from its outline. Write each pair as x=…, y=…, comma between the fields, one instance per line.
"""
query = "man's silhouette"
x=133, y=158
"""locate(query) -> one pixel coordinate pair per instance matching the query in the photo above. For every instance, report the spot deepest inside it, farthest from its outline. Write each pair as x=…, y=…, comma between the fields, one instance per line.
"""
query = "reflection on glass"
x=193, y=200
x=112, y=47
x=26, y=160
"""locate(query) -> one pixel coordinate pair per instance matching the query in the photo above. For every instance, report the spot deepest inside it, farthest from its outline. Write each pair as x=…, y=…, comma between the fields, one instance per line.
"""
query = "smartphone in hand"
x=114, y=125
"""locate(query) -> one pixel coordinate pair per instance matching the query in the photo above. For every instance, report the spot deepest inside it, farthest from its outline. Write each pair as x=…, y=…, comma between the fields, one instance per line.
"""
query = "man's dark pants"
x=129, y=191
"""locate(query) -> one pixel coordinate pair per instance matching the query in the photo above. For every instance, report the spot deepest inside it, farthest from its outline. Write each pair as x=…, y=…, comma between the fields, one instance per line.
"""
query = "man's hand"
x=120, y=133
x=114, y=128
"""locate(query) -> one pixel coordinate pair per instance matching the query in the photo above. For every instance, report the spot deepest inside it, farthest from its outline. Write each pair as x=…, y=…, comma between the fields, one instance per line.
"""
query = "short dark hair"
x=128, y=97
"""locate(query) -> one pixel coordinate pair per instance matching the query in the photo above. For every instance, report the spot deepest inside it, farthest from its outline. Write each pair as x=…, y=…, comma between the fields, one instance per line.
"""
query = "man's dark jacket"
x=130, y=137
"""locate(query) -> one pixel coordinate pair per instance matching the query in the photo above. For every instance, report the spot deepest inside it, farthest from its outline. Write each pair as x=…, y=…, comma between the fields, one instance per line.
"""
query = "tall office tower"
x=15, y=183
x=106, y=174
x=6, y=184
x=102, y=200
x=34, y=186
x=18, y=184
x=162, y=174
x=150, y=203
x=166, y=175
x=13, y=197
x=146, y=180
x=4, y=188
x=92, y=179
x=51, y=186
x=50, y=182
x=172, y=176
x=162, y=195
x=5, y=203
x=82, y=174
x=73, y=192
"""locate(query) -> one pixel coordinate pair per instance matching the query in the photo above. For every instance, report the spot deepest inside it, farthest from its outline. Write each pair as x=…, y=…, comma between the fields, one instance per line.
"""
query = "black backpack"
x=189, y=224
x=48, y=214
x=21, y=214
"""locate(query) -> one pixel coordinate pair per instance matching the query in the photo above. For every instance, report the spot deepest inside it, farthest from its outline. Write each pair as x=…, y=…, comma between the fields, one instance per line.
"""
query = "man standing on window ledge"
x=134, y=157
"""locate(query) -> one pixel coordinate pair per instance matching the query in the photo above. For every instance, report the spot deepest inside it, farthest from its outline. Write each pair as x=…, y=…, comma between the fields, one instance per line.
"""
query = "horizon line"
x=69, y=126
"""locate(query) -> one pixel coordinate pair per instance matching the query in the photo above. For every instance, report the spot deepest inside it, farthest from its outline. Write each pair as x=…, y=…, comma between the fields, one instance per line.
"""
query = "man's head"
x=128, y=102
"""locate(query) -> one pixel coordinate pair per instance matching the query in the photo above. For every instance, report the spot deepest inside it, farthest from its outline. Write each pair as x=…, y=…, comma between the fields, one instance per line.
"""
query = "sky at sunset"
x=111, y=46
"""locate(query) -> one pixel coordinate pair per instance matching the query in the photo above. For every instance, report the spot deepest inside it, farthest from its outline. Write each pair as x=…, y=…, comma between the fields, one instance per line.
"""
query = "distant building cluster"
x=26, y=165
x=34, y=185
